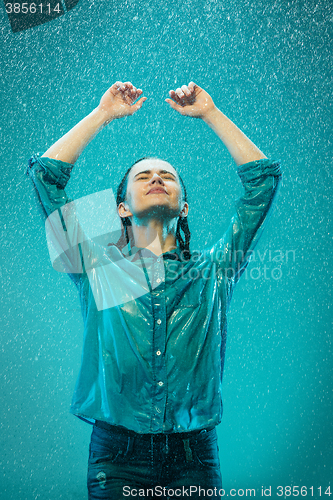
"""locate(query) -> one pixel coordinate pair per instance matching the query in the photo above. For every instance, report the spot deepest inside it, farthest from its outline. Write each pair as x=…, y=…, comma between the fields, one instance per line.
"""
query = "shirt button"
x=158, y=280
x=160, y=383
x=158, y=353
x=159, y=321
x=158, y=260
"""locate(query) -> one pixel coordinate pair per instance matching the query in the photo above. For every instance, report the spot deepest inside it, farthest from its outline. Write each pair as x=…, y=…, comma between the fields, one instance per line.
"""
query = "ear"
x=123, y=210
x=184, y=210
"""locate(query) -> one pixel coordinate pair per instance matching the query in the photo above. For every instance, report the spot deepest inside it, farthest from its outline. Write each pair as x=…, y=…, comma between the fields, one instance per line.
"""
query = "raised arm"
x=51, y=172
x=117, y=102
x=192, y=100
x=261, y=179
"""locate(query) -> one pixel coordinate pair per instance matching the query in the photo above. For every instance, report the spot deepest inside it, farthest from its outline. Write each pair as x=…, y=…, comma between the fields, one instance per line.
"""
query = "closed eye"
x=163, y=173
x=163, y=176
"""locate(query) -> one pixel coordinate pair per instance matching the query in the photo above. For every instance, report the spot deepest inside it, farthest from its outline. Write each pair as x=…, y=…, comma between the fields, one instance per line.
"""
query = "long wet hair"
x=182, y=224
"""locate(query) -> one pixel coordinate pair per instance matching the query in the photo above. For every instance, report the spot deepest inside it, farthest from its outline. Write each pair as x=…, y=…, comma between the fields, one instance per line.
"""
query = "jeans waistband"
x=128, y=432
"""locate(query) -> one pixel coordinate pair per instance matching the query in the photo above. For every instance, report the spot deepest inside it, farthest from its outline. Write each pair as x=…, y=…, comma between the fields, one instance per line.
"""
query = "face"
x=153, y=189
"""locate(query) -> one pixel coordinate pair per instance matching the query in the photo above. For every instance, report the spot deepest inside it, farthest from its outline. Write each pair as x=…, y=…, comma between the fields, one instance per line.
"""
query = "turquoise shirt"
x=154, y=363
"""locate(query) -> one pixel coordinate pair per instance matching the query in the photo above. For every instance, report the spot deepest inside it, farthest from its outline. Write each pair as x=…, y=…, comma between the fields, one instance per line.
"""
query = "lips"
x=157, y=190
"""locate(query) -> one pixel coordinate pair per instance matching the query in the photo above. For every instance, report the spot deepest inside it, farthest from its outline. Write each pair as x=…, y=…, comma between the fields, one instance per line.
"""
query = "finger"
x=127, y=97
x=186, y=90
x=175, y=97
x=137, y=93
x=174, y=106
x=196, y=88
x=130, y=87
x=138, y=105
x=179, y=92
x=123, y=92
x=132, y=91
x=115, y=86
x=129, y=92
x=135, y=96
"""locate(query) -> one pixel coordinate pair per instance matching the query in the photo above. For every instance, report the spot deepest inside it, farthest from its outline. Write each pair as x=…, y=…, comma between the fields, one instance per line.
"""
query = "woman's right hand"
x=118, y=101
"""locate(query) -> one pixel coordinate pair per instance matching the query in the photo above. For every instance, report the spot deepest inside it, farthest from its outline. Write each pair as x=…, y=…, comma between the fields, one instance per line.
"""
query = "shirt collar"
x=174, y=254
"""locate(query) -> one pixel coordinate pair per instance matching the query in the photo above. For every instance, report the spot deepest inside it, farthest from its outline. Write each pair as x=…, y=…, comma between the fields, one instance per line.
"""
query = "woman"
x=152, y=362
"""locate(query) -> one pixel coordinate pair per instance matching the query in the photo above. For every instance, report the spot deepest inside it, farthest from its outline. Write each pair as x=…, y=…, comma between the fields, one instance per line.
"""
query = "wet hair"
x=182, y=223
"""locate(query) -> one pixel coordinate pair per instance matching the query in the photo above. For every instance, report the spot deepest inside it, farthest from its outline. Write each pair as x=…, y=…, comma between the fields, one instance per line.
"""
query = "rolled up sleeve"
x=261, y=180
x=63, y=234
x=49, y=178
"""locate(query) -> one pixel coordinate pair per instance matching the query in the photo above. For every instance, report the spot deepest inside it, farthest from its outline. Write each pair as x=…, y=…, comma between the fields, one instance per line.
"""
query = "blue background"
x=267, y=65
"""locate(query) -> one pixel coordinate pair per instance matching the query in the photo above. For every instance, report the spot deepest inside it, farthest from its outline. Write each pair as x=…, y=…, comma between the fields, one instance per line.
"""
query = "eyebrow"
x=160, y=172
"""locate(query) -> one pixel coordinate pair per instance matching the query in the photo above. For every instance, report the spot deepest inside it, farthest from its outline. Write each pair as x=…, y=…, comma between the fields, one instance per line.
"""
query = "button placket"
x=158, y=361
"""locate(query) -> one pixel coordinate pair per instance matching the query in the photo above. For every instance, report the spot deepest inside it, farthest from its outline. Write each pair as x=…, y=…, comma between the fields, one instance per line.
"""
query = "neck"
x=159, y=237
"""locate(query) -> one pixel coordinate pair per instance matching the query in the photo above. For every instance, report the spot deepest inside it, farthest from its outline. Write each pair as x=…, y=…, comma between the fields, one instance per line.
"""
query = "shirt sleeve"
x=49, y=177
x=261, y=180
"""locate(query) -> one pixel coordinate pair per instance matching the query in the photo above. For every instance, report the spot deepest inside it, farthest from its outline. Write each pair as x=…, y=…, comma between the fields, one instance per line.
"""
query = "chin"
x=160, y=210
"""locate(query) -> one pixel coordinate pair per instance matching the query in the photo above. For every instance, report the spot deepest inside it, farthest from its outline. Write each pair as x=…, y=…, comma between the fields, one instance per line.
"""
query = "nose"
x=156, y=178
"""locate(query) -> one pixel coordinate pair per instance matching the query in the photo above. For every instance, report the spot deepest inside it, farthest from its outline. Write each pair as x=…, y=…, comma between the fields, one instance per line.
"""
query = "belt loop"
x=166, y=444
x=188, y=451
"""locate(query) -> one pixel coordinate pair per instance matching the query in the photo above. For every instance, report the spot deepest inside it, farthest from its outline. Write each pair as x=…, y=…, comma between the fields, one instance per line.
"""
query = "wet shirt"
x=155, y=326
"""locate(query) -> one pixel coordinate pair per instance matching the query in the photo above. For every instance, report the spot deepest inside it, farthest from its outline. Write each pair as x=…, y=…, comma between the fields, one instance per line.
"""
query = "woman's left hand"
x=191, y=100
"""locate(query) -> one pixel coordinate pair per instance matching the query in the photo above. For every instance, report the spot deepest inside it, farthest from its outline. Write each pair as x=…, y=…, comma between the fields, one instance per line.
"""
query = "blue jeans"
x=123, y=464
